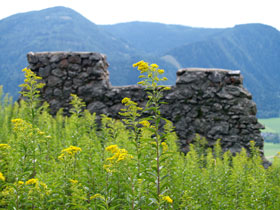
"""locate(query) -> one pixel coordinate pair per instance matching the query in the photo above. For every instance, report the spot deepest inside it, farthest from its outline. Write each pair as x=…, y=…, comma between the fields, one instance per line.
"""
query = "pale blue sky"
x=197, y=13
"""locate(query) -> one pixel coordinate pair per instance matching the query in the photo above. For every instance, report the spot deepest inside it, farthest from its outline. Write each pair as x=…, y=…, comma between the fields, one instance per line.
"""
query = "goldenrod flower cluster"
x=31, y=80
x=145, y=123
x=128, y=102
x=70, y=151
x=142, y=66
x=26, y=129
x=31, y=181
x=112, y=148
x=73, y=181
x=151, y=76
x=2, y=177
x=164, y=146
x=167, y=199
x=29, y=73
x=4, y=146
x=20, y=183
x=35, y=182
x=119, y=155
x=131, y=108
x=21, y=125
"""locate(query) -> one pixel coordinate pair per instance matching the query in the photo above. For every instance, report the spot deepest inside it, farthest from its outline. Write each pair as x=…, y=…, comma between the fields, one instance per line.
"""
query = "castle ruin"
x=209, y=102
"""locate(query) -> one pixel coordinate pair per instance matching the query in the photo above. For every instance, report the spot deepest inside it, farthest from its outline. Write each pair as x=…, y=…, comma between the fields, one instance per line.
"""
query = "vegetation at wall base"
x=65, y=162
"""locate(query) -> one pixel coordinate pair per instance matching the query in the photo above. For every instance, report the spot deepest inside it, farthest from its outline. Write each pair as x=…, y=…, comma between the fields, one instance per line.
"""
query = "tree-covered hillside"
x=54, y=29
x=157, y=38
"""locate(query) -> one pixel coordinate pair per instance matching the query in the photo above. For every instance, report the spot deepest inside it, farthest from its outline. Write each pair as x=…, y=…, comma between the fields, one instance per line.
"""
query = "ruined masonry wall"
x=210, y=102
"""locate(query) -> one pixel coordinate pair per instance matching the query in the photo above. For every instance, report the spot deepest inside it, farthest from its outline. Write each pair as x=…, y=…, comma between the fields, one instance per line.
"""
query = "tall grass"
x=64, y=162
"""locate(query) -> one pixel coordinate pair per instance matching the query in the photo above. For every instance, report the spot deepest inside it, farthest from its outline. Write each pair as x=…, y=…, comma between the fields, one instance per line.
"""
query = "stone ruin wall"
x=210, y=102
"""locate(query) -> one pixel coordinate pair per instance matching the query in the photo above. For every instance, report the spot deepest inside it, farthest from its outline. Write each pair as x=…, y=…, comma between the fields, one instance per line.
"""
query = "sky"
x=195, y=13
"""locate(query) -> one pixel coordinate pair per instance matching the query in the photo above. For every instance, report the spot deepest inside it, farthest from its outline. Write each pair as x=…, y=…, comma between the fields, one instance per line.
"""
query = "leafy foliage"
x=69, y=163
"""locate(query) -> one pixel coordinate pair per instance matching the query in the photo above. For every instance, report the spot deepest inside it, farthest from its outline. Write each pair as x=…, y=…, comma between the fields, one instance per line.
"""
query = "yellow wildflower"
x=21, y=125
x=141, y=83
x=119, y=154
x=30, y=74
x=167, y=199
x=112, y=148
x=20, y=182
x=31, y=181
x=72, y=150
x=136, y=64
x=164, y=79
x=17, y=120
x=167, y=88
x=2, y=177
x=145, y=123
x=153, y=65
x=4, y=146
x=164, y=146
x=114, y=157
x=125, y=100
x=160, y=71
x=142, y=66
x=73, y=181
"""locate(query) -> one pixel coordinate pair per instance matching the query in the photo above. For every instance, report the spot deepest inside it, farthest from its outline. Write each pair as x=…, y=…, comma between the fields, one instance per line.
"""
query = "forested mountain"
x=54, y=29
x=157, y=38
x=252, y=48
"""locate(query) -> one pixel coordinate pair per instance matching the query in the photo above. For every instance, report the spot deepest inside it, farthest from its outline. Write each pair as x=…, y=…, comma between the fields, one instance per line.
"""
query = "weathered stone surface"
x=55, y=58
x=53, y=81
x=210, y=102
x=57, y=92
x=75, y=59
x=95, y=57
x=96, y=106
x=216, y=77
x=32, y=58
x=58, y=72
x=63, y=64
x=44, y=72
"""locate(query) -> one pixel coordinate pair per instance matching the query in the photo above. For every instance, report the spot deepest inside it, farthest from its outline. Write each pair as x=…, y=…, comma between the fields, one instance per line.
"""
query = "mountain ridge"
x=252, y=48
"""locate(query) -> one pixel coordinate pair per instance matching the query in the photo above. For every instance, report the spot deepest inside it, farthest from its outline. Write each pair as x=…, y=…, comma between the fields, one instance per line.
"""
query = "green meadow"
x=270, y=150
x=272, y=125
